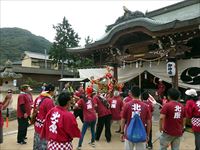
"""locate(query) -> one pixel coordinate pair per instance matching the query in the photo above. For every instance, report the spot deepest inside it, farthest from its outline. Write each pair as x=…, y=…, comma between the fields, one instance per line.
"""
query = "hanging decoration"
x=150, y=64
x=161, y=52
x=145, y=75
x=105, y=84
x=136, y=65
x=124, y=65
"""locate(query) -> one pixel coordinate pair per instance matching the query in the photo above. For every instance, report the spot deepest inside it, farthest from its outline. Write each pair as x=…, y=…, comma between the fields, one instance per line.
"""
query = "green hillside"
x=14, y=41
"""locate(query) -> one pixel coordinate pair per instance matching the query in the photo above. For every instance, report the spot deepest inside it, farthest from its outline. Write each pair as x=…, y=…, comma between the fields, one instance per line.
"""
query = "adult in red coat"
x=116, y=105
x=60, y=126
x=135, y=106
x=89, y=114
x=172, y=121
x=23, y=112
x=104, y=117
x=160, y=88
x=45, y=103
x=193, y=112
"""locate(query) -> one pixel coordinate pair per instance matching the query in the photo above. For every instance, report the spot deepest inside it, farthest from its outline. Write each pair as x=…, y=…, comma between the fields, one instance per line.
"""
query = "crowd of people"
x=55, y=123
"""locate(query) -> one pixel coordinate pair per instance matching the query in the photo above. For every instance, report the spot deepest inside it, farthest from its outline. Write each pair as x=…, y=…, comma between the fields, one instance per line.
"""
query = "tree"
x=65, y=38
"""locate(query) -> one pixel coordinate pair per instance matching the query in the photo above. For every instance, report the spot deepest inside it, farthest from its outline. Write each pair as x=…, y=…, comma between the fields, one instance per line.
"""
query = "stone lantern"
x=7, y=77
x=6, y=81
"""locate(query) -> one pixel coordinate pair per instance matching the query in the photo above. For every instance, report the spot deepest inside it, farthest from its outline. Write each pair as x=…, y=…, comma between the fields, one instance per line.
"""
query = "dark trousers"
x=78, y=113
x=105, y=120
x=197, y=140
x=22, y=129
x=150, y=139
x=1, y=135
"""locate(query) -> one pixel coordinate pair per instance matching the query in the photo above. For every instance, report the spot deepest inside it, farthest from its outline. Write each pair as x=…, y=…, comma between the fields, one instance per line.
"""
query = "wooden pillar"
x=175, y=78
x=100, y=58
x=115, y=71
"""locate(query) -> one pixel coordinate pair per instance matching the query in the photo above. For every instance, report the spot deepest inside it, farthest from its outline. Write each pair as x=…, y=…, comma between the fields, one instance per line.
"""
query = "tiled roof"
x=172, y=7
x=36, y=55
x=147, y=23
x=41, y=71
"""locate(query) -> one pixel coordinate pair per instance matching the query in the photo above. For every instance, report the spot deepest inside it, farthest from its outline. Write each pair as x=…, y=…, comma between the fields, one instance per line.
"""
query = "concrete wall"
x=26, y=62
x=40, y=78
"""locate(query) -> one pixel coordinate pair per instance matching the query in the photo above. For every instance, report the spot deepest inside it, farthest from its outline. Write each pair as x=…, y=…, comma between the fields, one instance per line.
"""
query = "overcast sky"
x=88, y=18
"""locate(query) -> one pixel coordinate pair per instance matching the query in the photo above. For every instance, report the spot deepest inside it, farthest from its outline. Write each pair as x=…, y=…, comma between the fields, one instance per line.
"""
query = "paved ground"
x=10, y=136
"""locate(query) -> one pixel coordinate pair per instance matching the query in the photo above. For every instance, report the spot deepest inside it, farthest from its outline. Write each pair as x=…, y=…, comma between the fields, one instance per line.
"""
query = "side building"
x=37, y=68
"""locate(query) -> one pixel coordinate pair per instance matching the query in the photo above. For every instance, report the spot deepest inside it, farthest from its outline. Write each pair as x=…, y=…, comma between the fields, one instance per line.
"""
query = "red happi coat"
x=116, y=105
x=101, y=109
x=193, y=111
x=127, y=99
x=174, y=115
x=142, y=108
x=60, y=126
x=89, y=113
x=23, y=99
x=46, y=105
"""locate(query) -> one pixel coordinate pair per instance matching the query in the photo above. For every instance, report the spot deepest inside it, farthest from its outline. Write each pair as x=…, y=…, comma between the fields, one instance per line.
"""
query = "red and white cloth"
x=196, y=122
x=46, y=105
x=60, y=126
x=53, y=145
x=193, y=111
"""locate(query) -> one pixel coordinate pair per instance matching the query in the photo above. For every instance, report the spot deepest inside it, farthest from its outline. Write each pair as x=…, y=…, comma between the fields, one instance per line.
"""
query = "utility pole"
x=45, y=61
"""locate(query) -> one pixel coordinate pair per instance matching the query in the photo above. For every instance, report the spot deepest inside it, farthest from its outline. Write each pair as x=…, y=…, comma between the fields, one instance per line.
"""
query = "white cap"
x=116, y=93
x=160, y=80
x=30, y=89
x=191, y=92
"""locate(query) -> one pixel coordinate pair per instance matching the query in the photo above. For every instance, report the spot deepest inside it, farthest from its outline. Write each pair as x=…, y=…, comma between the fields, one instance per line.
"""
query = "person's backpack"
x=136, y=132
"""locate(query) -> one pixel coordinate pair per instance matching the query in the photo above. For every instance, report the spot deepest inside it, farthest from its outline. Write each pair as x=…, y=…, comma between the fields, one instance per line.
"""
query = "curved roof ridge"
x=133, y=22
x=122, y=25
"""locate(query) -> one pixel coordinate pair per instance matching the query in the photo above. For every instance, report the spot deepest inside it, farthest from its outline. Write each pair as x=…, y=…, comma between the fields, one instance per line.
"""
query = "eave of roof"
x=74, y=80
x=40, y=71
x=149, y=24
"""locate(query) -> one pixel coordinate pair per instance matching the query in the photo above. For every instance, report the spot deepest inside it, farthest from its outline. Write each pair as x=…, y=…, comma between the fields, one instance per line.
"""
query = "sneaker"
x=92, y=144
x=78, y=148
x=118, y=131
x=149, y=147
x=22, y=142
x=108, y=141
